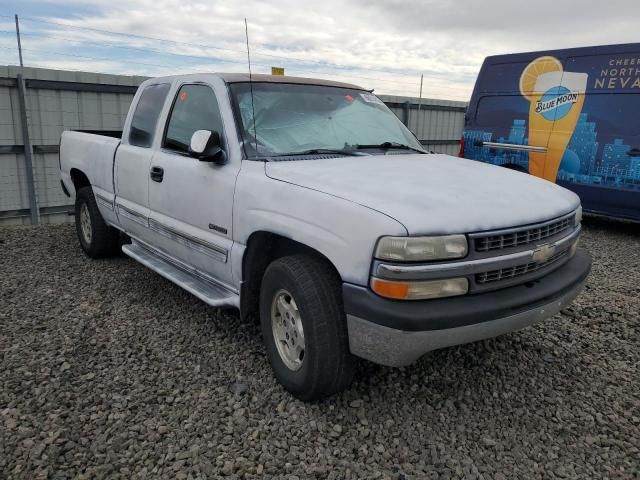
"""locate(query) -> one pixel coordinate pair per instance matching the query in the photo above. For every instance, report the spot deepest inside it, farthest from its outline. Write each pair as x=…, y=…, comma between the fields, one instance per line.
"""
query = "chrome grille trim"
x=518, y=270
x=434, y=271
x=517, y=237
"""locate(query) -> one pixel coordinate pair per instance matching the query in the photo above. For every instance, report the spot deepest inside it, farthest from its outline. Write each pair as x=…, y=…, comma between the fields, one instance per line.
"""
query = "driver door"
x=191, y=201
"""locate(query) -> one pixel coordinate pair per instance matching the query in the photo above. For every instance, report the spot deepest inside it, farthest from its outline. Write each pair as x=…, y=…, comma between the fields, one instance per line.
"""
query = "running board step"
x=209, y=292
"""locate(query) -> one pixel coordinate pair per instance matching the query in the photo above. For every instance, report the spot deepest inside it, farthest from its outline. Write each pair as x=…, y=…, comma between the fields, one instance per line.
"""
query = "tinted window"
x=615, y=72
x=502, y=119
x=501, y=77
x=195, y=108
x=145, y=117
x=499, y=111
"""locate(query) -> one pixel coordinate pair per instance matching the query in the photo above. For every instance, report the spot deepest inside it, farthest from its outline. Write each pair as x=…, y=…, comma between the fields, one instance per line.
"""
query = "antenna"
x=19, y=43
x=418, y=118
x=253, y=110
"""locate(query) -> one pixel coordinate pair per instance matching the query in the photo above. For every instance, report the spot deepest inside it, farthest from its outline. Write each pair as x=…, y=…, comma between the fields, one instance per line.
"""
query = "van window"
x=496, y=110
x=609, y=73
x=499, y=78
x=605, y=135
x=614, y=114
x=194, y=108
x=145, y=118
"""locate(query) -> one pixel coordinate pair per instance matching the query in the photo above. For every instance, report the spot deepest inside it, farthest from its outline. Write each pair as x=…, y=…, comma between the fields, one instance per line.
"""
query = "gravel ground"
x=108, y=370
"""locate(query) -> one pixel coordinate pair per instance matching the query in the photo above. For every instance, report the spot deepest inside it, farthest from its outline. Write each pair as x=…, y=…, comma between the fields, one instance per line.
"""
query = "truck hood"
x=432, y=194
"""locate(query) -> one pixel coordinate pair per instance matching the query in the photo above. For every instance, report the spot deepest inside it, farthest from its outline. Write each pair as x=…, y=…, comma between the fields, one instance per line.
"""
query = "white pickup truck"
x=309, y=205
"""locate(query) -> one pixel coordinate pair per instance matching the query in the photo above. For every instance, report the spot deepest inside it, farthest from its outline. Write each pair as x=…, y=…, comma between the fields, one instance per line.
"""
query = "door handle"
x=510, y=146
x=634, y=152
x=157, y=174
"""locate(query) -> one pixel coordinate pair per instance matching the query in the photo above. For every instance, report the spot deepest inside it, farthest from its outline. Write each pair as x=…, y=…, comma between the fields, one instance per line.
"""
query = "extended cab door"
x=191, y=201
x=133, y=159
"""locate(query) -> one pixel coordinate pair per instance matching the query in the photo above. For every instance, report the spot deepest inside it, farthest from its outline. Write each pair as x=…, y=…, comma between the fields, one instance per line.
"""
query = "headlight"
x=578, y=218
x=447, y=287
x=417, y=249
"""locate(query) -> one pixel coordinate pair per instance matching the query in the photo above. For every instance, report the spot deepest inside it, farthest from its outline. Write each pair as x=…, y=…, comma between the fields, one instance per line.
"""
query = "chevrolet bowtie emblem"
x=543, y=253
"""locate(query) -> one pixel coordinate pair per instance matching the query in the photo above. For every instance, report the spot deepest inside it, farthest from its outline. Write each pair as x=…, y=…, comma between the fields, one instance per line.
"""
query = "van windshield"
x=295, y=119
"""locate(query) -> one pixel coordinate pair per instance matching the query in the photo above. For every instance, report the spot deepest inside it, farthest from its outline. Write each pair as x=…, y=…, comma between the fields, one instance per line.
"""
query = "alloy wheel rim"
x=85, y=223
x=288, y=333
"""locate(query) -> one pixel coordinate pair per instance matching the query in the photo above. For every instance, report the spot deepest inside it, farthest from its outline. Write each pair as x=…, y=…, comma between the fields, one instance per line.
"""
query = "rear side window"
x=497, y=111
x=609, y=73
x=500, y=78
x=145, y=118
x=195, y=108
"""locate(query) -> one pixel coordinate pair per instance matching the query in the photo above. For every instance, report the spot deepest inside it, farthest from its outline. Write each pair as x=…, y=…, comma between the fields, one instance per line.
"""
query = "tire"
x=100, y=240
x=327, y=366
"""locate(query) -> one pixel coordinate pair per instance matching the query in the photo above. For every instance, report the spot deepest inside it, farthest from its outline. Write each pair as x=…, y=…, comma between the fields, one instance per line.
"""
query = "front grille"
x=523, y=236
x=519, y=270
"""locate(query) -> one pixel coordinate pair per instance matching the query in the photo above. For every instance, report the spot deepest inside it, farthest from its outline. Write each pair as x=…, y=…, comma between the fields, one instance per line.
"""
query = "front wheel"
x=97, y=239
x=304, y=328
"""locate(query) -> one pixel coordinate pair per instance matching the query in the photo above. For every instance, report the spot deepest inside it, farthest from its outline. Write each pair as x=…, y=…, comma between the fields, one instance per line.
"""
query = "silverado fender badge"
x=543, y=253
x=217, y=228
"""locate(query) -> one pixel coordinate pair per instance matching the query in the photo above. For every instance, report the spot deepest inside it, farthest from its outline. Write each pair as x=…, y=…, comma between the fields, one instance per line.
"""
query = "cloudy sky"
x=384, y=44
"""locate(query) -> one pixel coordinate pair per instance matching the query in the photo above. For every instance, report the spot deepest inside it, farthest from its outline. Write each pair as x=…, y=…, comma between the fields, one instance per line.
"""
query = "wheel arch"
x=263, y=247
x=79, y=179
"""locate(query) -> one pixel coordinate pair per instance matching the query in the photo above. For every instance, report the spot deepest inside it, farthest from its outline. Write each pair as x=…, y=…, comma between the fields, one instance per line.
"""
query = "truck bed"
x=105, y=133
x=91, y=152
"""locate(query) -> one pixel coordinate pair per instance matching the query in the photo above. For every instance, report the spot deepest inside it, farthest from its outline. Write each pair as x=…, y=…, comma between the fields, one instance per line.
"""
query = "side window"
x=194, y=108
x=500, y=111
x=145, y=118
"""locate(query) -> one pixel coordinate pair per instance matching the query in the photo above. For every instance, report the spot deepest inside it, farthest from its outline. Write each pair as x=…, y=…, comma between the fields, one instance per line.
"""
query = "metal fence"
x=50, y=101
x=437, y=123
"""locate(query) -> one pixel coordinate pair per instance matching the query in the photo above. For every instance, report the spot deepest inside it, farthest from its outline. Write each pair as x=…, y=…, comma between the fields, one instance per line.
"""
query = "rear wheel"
x=97, y=239
x=304, y=327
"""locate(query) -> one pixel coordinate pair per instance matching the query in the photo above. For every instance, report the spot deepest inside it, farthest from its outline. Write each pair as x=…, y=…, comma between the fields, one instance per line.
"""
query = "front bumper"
x=397, y=333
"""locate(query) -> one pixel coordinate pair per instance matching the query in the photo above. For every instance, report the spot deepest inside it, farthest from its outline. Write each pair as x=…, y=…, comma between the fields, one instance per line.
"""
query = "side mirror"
x=205, y=145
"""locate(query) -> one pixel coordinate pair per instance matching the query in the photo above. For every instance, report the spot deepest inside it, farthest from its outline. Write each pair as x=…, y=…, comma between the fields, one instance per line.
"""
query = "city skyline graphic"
x=581, y=162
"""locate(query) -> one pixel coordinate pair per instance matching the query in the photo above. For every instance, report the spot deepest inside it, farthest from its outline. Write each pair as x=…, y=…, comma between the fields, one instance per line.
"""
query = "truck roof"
x=258, y=77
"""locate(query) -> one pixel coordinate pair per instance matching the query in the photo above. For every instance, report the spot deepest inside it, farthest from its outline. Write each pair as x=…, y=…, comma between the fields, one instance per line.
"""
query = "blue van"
x=570, y=116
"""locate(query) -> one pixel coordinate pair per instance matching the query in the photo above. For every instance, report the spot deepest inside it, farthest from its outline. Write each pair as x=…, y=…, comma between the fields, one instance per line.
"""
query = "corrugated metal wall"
x=57, y=100
x=437, y=123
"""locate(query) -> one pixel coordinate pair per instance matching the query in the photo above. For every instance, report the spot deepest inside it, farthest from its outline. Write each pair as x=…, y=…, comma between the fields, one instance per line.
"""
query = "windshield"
x=294, y=118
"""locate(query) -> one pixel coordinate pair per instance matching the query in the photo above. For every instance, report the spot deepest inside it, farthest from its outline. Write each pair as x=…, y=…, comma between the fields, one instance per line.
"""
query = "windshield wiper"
x=316, y=151
x=348, y=150
x=388, y=145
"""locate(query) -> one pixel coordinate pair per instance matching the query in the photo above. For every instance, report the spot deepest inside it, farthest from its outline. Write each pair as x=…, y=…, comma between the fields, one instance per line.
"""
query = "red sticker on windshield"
x=349, y=98
x=183, y=96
